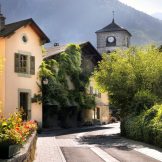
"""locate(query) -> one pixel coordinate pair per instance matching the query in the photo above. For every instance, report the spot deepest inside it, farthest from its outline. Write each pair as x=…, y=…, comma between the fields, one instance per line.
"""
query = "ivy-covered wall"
x=57, y=71
x=66, y=68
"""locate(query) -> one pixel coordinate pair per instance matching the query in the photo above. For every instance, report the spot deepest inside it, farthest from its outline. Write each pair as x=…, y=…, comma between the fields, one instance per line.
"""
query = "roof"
x=92, y=49
x=112, y=27
x=52, y=51
x=11, y=28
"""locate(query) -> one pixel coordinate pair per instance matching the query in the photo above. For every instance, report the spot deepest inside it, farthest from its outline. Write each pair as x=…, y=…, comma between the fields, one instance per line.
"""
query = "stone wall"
x=27, y=152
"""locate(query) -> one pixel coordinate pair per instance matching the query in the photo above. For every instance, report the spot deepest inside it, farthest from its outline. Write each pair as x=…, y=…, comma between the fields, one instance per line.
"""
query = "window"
x=96, y=92
x=24, y=38
x=91, y=90
x=24, y=64
x=99, y=95
x=127, y=42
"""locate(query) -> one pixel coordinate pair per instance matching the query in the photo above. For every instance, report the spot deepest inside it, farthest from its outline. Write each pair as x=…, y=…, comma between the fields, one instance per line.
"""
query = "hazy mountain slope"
x=77, y=20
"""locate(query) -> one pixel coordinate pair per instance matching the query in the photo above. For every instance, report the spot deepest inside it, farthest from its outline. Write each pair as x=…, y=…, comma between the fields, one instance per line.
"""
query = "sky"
x=148, y=6
x=67, y=21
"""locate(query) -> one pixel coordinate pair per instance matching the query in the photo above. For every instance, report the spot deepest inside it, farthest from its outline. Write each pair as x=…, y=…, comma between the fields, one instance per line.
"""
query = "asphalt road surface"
x=100, y=144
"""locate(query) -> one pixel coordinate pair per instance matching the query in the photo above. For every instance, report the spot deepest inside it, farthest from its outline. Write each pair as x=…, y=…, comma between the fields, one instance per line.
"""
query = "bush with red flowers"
x=15, y=131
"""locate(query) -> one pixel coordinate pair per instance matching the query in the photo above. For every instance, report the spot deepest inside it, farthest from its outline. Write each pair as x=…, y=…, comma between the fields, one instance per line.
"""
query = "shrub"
x=143, y=100
x=147, y=126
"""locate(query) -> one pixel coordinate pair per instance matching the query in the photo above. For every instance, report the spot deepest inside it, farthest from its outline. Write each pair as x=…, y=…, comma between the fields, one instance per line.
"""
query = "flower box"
x=7, y=151
x=14, y=133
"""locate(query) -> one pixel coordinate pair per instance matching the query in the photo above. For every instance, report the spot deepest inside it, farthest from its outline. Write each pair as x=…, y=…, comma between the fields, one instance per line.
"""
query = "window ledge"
x=24, y=75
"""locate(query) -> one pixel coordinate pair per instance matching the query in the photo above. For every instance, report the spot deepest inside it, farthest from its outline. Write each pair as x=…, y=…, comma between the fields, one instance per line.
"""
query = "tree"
x=133, y=78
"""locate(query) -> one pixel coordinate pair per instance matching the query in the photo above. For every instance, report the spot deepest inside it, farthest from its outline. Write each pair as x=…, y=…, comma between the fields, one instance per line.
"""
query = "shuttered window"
x=24, y=64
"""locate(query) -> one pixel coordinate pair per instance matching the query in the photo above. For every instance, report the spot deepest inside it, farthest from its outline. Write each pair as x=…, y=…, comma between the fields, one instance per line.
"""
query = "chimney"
x=2, y=20
x=56, y=44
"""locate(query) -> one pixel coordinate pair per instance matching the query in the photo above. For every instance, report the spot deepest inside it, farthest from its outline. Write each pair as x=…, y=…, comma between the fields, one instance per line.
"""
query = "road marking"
x=60, y=152
x=151, y=153
x=103, y=155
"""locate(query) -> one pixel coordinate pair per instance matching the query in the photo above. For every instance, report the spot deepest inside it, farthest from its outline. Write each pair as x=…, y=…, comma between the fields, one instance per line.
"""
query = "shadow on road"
x=113, y=140
x=72, y=131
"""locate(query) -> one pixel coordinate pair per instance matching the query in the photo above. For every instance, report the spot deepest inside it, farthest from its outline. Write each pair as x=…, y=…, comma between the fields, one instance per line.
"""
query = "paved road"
x=93, y=144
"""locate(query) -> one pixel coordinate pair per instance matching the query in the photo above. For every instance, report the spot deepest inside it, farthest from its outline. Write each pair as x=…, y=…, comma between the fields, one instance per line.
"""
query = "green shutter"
x=32, y=65
x=17, y=60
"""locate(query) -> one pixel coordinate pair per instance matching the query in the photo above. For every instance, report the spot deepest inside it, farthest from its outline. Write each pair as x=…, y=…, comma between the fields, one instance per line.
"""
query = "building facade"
x=112, y=37
x=20, y=47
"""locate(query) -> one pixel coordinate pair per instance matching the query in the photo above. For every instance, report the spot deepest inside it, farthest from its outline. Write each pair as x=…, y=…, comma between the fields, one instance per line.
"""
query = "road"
x=93, y=144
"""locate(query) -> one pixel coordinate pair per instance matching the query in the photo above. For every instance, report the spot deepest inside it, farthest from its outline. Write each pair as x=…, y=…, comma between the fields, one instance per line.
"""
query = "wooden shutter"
x=32, y=65
x=17, y=61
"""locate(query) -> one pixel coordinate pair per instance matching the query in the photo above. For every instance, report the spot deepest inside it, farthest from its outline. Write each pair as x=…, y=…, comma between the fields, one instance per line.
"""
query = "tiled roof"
x=52, y=51
x=11, y=28
x=112, y=27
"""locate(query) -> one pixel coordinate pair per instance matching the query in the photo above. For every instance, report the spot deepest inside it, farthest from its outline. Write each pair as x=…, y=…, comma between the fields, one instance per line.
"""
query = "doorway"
x=24, y=104
x=98, y=113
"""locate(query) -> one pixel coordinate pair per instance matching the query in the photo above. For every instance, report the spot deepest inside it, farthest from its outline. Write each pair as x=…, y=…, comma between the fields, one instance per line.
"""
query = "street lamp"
x=45, y=81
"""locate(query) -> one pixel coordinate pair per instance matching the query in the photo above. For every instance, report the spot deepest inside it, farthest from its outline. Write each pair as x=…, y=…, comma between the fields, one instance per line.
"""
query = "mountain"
x=67, y=21
x=158, y=15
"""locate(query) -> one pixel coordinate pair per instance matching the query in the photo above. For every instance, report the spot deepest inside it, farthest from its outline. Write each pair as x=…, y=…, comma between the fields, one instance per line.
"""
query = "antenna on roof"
x=113, y=12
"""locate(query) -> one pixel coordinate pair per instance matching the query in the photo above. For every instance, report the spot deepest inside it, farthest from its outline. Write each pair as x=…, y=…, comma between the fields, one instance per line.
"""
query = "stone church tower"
x=112, y=37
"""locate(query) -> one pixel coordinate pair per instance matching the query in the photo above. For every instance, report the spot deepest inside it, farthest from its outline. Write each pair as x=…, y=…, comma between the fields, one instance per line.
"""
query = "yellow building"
x=20, y=46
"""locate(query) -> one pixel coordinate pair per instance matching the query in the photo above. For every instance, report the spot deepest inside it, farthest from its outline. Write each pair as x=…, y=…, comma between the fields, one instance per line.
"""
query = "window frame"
x=30, y=69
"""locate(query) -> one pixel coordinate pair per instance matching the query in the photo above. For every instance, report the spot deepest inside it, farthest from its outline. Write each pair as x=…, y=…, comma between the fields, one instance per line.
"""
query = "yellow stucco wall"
x=104, y=96
x=104, y=114
x=101, y=103
x=13, y=81
x=2, y=75
x=90, y=114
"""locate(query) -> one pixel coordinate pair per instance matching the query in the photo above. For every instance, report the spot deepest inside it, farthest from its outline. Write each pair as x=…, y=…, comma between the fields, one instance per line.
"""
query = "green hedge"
x=145, y=127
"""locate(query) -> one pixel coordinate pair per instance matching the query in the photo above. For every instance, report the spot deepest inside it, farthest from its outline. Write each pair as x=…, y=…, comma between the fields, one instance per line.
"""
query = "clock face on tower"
x=110, y=39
